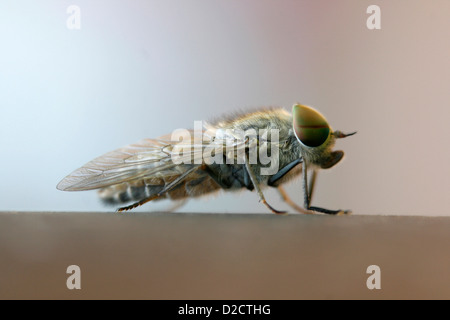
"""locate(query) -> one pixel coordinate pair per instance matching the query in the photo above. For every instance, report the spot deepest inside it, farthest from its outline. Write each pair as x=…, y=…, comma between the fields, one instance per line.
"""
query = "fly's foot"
x=333, y=212
x=272, y=208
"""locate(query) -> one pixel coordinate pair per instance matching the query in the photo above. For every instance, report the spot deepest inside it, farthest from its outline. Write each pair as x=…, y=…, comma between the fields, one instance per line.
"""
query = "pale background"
x=140, y=69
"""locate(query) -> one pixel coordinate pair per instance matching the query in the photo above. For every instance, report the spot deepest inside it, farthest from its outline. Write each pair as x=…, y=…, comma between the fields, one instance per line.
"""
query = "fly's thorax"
x=289, y=149
x=261, y=122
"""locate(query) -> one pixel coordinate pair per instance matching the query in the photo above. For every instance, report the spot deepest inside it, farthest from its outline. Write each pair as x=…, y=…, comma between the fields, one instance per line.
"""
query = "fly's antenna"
x=339, y=134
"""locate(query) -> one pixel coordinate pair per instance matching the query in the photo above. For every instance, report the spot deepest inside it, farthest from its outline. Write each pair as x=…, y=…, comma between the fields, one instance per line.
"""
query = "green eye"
x=310, y=127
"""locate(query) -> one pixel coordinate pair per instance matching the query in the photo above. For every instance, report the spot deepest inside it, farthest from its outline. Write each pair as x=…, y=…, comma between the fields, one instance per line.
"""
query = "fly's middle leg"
x=257, y=187
x=291, y=203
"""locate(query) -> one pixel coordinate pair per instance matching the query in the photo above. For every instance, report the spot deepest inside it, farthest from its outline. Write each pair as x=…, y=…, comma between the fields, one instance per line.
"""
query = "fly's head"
x=316, y=137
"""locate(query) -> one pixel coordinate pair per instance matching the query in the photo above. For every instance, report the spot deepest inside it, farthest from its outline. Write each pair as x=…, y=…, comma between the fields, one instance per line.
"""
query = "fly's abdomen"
x=198, y=184
x=129, y=192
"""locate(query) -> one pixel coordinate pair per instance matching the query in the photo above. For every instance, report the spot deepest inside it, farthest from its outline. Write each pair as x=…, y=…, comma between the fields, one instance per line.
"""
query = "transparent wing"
x=151, y=157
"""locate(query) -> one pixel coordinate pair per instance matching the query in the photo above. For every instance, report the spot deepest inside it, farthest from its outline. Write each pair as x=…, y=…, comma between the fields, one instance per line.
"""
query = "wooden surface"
x=218, y=256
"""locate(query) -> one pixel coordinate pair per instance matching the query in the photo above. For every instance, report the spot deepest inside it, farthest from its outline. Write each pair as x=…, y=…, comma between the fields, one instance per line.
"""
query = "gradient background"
x=140, y=69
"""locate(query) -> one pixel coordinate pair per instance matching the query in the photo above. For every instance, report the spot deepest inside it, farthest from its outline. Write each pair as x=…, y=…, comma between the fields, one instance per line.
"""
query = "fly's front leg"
x=307, y=194
x=256, y=185
x=305, y=185
x=312, y=183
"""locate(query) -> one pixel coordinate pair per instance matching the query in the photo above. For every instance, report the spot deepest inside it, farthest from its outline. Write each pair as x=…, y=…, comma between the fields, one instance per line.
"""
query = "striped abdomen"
x=195, y=185
x=201, y=182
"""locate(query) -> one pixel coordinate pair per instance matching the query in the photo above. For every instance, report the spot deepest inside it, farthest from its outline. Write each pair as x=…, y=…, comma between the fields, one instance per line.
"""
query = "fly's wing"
x=148, y=158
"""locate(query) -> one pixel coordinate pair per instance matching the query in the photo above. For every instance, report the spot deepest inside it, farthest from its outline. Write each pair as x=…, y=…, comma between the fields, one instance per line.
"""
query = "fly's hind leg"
x=256, y=185
x=139, y=203
x=167, y=188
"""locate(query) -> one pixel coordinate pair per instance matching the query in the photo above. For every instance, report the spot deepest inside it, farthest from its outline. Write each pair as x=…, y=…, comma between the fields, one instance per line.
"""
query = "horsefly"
x=229, y=154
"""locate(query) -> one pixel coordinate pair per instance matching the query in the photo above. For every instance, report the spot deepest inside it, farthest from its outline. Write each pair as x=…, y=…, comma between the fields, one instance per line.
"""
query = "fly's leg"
x=139, y=203
x=167, y=188
x=177, y=205
x=256, y=185
x=291, y=203
x=312, y=182
x=280, y=174
x=285, y=170
x=307, y=195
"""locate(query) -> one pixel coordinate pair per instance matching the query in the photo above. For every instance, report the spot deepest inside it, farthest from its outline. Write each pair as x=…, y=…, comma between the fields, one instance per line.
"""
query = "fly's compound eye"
x=310, y=127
